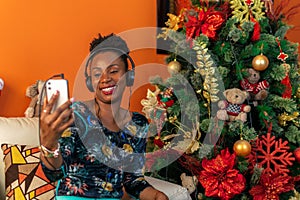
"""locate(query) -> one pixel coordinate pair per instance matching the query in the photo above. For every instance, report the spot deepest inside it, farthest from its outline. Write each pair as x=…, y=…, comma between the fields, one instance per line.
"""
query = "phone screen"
x=60, y=85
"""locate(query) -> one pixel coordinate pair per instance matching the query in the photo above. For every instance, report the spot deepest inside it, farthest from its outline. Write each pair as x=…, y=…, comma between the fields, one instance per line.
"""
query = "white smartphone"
x=52, y=85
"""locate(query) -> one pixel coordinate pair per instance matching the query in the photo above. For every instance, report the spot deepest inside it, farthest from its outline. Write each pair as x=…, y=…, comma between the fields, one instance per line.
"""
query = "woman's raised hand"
x=53, y=124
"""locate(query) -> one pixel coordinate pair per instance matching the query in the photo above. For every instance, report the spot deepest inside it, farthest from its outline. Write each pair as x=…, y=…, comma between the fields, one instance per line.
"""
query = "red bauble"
x=297, y=154
x=242, y=148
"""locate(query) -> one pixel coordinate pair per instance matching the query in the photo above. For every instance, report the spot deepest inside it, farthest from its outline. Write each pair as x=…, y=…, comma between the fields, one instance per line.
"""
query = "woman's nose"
x=105, y=77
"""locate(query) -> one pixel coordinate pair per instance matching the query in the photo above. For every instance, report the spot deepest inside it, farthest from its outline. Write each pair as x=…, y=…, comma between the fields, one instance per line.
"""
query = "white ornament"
x=1, y=83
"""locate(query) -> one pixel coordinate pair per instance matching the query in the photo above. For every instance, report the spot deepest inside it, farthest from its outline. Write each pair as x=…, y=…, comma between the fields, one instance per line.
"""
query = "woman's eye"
x=113, y=71
x=97, y=75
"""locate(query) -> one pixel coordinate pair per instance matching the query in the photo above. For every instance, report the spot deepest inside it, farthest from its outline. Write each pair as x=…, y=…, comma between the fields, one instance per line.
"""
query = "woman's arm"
x=51, y=127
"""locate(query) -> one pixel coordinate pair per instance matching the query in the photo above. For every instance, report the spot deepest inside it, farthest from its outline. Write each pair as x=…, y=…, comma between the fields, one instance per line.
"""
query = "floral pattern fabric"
x=99, y=162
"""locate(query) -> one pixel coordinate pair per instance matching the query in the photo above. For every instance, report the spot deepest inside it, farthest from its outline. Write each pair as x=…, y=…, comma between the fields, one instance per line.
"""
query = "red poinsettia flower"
x=213, y=22
x=219, y=178
x=207, y=22
x=193, y=25
x=271, y=186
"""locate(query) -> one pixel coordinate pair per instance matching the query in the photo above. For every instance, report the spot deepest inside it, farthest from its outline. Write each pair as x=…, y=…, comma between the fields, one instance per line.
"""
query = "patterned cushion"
x=24, y=178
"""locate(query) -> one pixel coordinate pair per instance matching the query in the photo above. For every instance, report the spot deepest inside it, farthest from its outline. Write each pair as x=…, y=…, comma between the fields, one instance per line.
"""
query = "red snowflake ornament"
x=271, y=154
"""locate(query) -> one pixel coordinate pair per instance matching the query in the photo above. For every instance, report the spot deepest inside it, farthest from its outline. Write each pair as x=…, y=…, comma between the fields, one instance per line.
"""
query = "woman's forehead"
x=107, y=55
x=105, y=59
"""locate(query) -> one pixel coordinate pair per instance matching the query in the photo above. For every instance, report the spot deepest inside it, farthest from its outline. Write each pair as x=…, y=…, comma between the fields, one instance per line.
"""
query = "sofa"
x=21, y=167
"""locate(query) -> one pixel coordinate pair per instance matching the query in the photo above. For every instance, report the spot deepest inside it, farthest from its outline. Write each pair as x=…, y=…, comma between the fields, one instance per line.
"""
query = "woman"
x=101, y=154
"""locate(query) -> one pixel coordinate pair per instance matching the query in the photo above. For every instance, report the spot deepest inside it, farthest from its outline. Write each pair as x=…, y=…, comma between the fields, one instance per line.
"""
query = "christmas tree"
x=229, y=113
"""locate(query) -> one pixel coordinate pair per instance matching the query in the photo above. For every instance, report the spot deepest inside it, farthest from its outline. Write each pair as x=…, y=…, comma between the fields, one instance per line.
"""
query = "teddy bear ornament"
x=1, y=85
x=257, y=88
x=233, y=108
x=34, y=92
x=189, y=182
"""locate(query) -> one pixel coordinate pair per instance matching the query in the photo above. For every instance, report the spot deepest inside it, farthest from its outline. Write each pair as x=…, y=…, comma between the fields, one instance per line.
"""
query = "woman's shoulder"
x=77, y=104
x=83, y=107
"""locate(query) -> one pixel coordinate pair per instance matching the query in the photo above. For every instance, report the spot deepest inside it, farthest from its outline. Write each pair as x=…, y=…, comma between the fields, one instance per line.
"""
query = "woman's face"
x=107, y=73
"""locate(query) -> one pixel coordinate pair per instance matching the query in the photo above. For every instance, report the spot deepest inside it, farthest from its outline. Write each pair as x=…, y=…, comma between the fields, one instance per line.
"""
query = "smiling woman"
x=107, y=75
x=103, y=154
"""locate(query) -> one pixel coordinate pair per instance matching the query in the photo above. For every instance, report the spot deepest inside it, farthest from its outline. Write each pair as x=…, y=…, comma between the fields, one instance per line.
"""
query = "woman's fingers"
x=54, y=123
x=64, y=117
x=47, y=108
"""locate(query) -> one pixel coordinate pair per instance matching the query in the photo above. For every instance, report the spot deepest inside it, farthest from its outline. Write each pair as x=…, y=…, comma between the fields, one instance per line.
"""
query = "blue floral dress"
x=99, y=162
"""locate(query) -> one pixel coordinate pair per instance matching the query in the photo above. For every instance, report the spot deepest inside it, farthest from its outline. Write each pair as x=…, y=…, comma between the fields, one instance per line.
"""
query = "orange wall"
x=294, y=21
x=42, y=38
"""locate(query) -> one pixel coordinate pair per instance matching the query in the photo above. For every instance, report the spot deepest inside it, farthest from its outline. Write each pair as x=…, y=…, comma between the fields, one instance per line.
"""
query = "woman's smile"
x=108, y=90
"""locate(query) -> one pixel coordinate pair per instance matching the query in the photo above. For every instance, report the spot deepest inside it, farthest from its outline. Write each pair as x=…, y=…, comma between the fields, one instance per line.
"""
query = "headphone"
x=129, y=74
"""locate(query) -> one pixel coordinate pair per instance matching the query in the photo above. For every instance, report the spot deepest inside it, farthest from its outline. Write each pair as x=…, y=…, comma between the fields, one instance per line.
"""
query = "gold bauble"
x=260, y=62
x=174, y=67
x=242, y=148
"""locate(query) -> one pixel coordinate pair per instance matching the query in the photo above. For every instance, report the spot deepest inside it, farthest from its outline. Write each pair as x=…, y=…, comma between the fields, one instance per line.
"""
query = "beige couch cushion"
x=19, y=130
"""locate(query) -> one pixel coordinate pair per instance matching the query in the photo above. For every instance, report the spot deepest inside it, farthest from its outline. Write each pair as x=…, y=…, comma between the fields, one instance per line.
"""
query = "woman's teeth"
x=108, y=89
